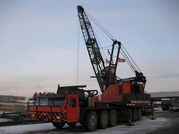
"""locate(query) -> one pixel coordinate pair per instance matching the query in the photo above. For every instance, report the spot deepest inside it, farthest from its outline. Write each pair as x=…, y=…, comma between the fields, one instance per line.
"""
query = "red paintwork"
x=73, y=113
x=66, y=112
x=112, y=94
x=96, y=99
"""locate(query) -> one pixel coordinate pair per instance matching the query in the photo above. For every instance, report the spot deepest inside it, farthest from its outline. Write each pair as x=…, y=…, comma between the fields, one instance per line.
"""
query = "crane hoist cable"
x=130, y=58
x=131, y=63
x=128, y=61
x=101, y=27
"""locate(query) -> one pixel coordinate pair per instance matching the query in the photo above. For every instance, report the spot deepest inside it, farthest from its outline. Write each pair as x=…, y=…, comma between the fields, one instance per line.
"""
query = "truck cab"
x=58, y=109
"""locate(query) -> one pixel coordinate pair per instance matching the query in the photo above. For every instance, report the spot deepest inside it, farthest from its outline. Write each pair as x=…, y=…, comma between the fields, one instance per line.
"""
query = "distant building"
x=11, y=99
x=173, y=94
x=172, y=98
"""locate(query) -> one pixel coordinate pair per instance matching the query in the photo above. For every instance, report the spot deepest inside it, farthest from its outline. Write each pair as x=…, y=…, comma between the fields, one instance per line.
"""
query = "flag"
x=121, y=60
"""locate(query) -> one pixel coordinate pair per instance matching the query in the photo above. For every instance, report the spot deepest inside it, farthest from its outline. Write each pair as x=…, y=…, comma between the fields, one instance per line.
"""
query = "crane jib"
x=105, y=75
x=92, y=47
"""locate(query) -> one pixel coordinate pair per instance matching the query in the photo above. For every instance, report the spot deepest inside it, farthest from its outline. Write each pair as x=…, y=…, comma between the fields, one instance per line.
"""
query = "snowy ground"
x=158, y=109
x=5, y=120
x=141, y=127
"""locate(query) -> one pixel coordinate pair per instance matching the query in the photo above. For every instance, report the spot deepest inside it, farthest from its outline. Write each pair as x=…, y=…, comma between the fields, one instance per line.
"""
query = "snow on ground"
x=158, y=109
x=5, y=120
x=141, y=127
x=19, y=129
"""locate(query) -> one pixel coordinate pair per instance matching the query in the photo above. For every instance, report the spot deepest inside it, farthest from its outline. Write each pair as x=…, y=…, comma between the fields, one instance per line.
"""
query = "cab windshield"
x=50, y=101
x=42, y=102
x=57, y=101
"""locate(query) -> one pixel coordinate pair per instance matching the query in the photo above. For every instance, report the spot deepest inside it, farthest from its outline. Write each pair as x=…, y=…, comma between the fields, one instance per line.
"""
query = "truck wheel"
x=91, y=121
x=167, y=108
x=71, y=124
x=139, y=114
x=129, y=115
x=58, y=124
x=134, y=115
x=103, y=119
x=163, y=108
x=113, y=117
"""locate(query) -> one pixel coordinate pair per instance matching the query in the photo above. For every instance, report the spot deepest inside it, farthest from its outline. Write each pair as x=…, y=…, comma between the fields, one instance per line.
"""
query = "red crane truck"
x=121, y=99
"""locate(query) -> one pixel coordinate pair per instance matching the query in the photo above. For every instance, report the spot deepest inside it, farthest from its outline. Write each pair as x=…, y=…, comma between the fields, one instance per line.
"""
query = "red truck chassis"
x=71, y=106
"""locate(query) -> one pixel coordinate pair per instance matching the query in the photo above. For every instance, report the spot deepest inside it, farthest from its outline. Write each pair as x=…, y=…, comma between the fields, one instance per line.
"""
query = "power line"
x=78, y=48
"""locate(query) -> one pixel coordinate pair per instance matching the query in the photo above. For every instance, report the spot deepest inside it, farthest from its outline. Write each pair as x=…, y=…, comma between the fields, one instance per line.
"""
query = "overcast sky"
x=39, y=39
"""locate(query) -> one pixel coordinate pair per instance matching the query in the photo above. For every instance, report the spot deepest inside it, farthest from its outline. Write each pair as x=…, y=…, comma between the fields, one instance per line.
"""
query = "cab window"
x=57, y=102
x=42, y=102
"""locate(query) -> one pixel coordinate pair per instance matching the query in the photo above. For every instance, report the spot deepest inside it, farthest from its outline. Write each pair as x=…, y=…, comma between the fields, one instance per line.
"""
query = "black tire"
x=129, y=115
x=113, y=117
x=103, y=119
x=71, y=124
x=134, y=115
x=91, y=121
x=139, y=114
x=58, y=124
x=167, y=108
x=163, y=109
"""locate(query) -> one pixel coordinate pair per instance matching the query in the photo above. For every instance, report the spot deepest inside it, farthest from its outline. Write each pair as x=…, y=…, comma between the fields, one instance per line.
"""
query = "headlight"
x=58, y=117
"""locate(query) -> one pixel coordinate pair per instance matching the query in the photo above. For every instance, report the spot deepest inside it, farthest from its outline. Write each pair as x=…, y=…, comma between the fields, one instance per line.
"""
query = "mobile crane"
x=121, y=99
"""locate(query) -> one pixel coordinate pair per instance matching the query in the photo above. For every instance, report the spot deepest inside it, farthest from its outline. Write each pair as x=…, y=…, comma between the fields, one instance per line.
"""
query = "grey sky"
x=38, y=42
